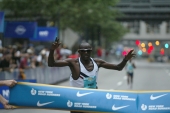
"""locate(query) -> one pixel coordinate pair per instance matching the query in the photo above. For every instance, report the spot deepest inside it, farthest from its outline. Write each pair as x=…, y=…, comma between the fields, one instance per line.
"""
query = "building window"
x=168, y=27
x=132, y=26
x=153, y=28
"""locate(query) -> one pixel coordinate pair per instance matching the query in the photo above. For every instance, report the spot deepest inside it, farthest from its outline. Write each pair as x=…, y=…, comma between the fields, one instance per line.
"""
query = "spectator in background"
x=47, y=54
x=1, y=54
x=74, y=56
x=25, y=61
x=28, y=59
x=0, y=43
x=6, y=64
x=42, y=58
x=32, y=57
x=99, y=52
x=22, y=75
x=15, y=58
x=65, y=52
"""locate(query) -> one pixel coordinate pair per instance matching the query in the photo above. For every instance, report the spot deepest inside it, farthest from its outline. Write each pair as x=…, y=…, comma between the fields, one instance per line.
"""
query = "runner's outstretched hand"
x=130, y=55
x=56, y=44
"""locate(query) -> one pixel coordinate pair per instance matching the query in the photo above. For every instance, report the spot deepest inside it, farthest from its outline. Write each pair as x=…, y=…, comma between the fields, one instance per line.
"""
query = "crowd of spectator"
x=20, y=57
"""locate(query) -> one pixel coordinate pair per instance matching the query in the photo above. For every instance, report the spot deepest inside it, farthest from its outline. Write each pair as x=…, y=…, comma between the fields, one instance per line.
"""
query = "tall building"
x=147, y=21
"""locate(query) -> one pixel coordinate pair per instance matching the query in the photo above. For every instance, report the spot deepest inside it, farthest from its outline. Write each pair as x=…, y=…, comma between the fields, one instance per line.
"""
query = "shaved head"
x=85, y=45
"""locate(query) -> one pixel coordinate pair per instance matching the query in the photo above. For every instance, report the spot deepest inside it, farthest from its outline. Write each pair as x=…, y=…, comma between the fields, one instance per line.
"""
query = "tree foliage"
x=79, y=15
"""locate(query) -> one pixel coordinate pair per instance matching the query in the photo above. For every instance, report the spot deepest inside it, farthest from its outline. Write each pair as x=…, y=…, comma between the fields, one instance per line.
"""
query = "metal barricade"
x=46, y=75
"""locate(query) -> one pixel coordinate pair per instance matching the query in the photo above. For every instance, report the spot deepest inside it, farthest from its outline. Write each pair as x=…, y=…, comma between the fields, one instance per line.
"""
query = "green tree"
x=90, y=18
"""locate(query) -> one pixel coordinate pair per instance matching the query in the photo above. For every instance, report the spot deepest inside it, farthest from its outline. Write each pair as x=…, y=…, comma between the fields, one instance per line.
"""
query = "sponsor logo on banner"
x=69, y=103
x=144, y=107
x=119, y=107
x=43, y=33
x=83, y=94
x=108, y=96
x=5, y=93
x=43, y=93
x=154, y=107
x=80, y=105
x=43, y=104
x=20, y=30
x=119, y=97
x=156, y=97
x=33, y=92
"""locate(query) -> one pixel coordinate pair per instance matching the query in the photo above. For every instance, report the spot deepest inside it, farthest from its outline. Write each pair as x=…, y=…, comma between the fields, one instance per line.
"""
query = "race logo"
x=84, y=105
x=108, y=96
x=123, y=97
x=33, y=92
x=143, y=107
x=44, y=93
x=69, y=103
x=90, y=78
x=20, y=30
x=43, y=33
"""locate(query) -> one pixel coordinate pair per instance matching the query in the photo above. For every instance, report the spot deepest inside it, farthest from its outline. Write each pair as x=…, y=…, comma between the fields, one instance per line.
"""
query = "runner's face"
x=85, y=51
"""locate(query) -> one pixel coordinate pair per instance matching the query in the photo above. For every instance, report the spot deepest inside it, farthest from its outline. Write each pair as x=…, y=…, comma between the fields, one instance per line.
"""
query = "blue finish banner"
x=45, y=34
x=1, y=22
x=20, y=29
x=75, y=99
x=4, y=90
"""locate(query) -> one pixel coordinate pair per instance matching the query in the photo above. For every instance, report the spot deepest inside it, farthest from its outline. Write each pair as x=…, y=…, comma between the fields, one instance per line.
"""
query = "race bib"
x=90, y=82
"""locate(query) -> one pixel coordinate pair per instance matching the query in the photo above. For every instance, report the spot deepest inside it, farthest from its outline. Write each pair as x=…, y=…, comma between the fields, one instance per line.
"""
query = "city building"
x=148, y=21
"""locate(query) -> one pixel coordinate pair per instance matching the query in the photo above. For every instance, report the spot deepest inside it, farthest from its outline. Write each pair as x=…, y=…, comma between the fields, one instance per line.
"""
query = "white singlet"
x=87, y=79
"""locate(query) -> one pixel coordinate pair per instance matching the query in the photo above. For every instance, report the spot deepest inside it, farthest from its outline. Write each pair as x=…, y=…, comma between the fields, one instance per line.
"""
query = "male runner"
x=130, y=72
x=9, y=83
x=84, y=69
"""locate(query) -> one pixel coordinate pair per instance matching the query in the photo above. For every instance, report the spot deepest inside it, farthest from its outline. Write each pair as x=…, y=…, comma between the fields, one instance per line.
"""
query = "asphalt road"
x=147, y=76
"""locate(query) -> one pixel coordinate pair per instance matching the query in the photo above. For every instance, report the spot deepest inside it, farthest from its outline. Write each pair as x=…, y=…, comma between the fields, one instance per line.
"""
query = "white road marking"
x=167, y=71
x=119, y=83
x=111, y=89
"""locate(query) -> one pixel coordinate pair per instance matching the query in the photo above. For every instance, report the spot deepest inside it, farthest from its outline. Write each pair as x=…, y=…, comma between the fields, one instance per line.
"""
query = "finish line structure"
x=34, y=95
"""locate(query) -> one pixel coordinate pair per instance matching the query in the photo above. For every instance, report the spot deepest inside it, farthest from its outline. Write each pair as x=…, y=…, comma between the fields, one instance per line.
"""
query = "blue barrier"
x=91, y=100
x=43, y=75
x=4, y=90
